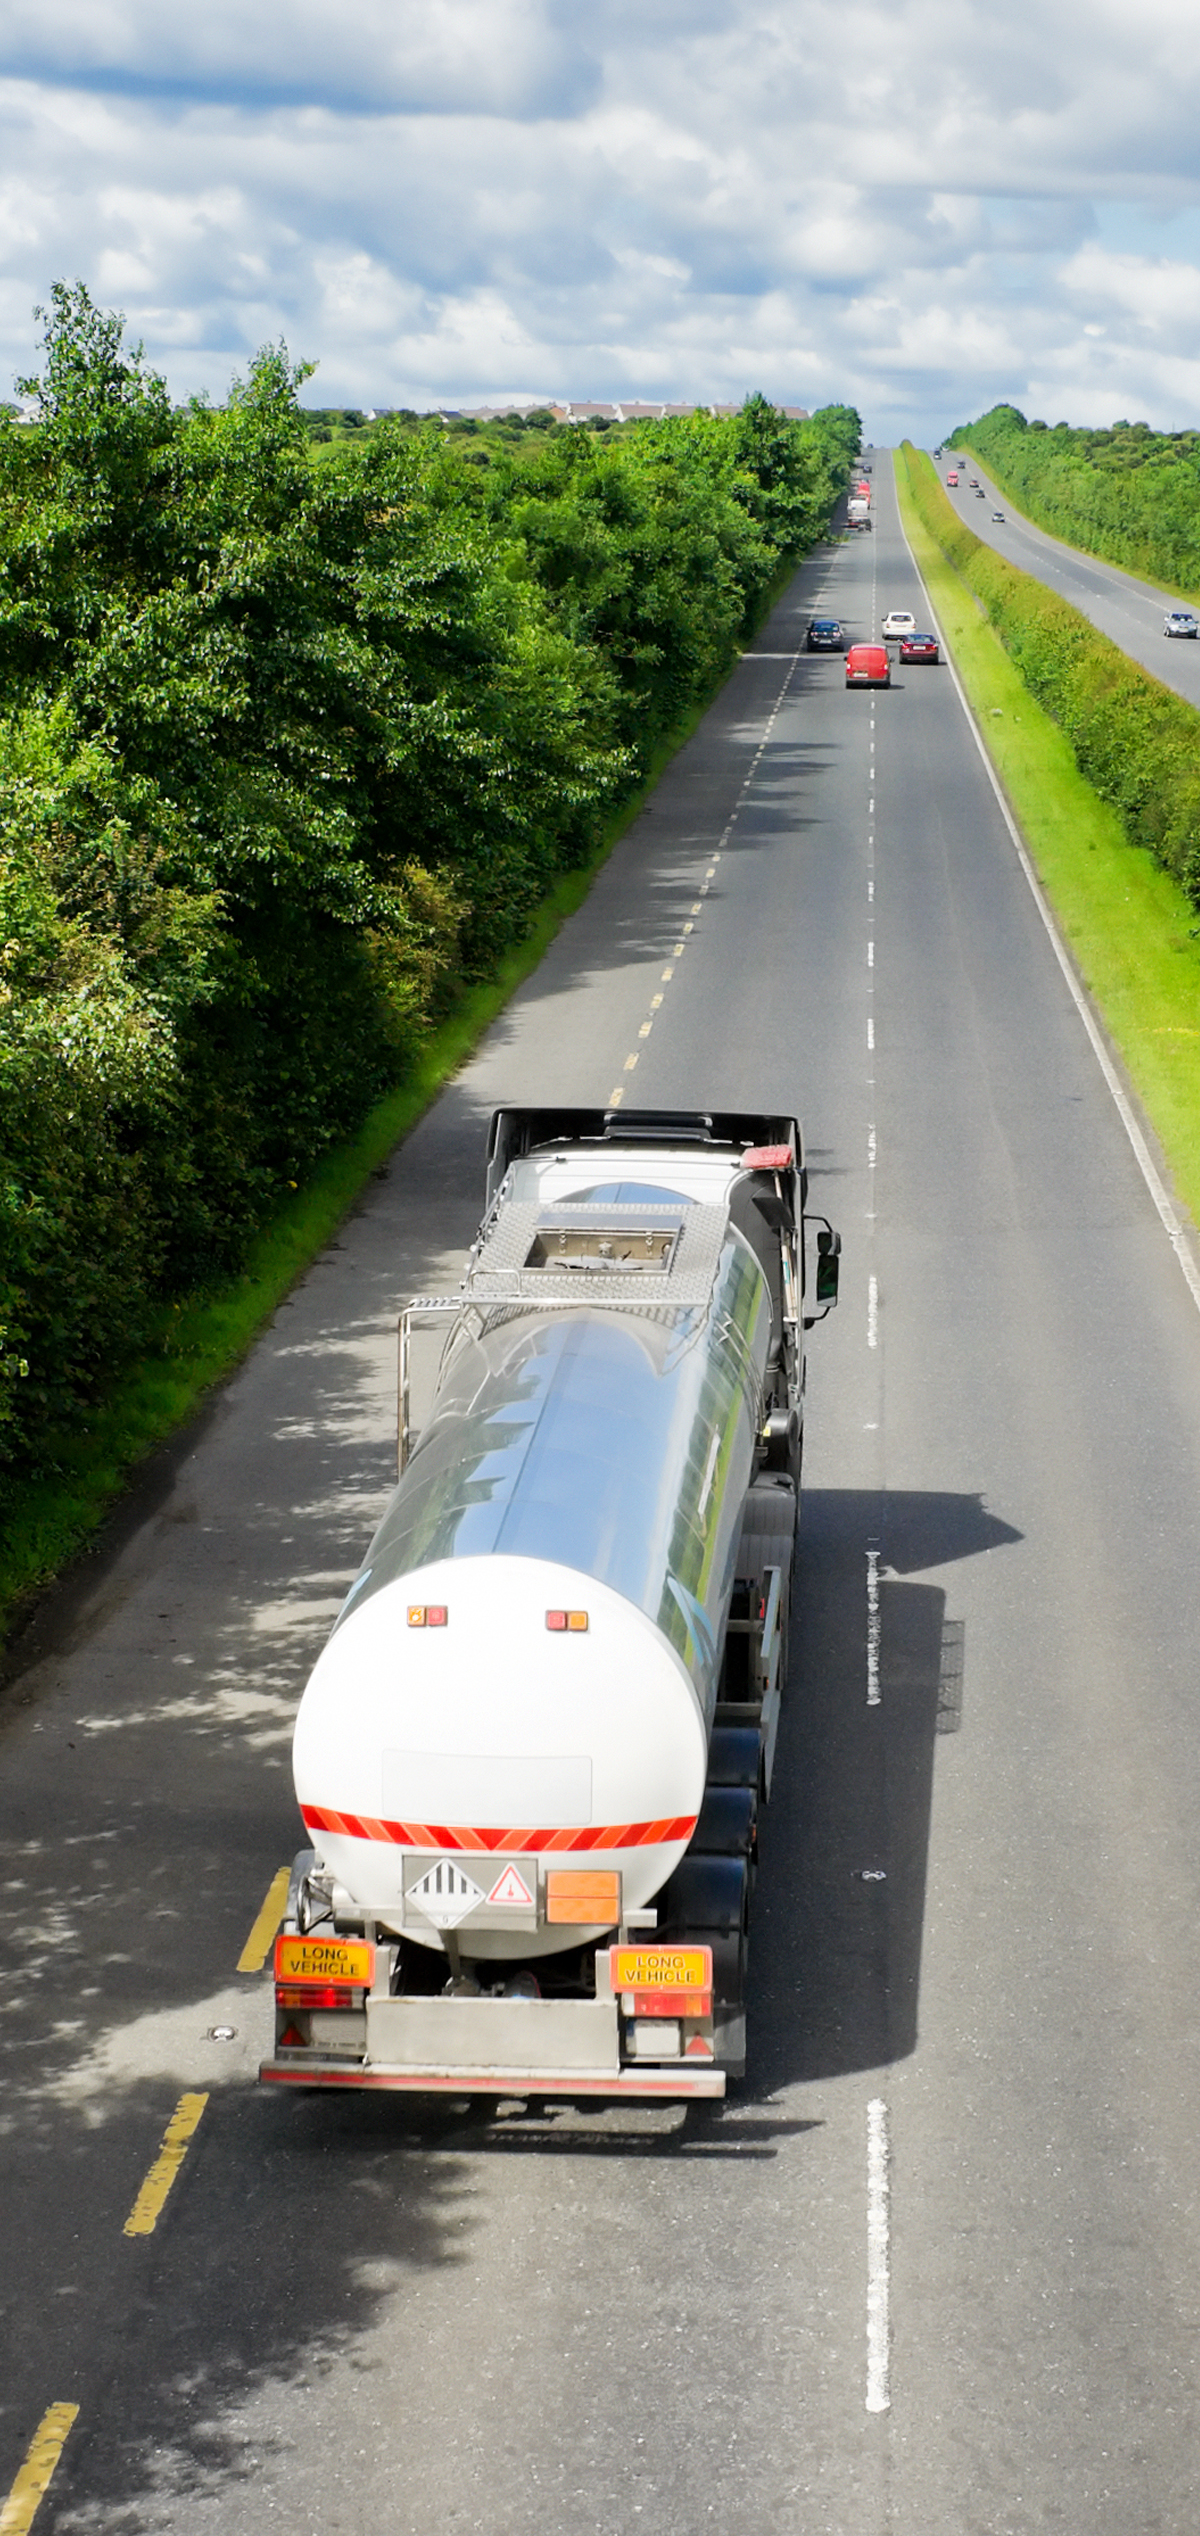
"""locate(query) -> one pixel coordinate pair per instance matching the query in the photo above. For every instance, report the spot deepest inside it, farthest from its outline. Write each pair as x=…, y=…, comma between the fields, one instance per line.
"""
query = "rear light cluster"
x=570, y=1620
x=316, y=1972
x=309, y=1994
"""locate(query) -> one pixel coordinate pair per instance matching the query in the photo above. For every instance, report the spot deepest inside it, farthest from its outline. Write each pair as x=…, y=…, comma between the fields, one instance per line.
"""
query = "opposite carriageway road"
x=933, y=2267
x=1129, y=610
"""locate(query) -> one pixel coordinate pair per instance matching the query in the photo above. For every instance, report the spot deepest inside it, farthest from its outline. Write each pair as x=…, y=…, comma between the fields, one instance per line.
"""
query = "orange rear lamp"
x=313, y=1994
x=583, y=1897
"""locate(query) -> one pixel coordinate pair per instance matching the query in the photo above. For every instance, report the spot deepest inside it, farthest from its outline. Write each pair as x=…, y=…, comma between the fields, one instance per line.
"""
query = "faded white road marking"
x=879, y=2395
x=874, y=1693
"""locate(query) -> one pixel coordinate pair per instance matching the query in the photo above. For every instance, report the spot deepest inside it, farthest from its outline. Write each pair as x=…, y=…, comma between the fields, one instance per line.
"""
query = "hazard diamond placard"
x=488, y=1892
x=444, y=1893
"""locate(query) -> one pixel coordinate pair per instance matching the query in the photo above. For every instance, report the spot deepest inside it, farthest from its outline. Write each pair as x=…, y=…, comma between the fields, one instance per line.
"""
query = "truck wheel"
x=785, y=1443
x=707, y=1897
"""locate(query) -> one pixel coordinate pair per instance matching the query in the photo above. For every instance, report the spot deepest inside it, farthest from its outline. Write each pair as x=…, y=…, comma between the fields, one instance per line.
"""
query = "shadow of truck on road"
x=839, y=1909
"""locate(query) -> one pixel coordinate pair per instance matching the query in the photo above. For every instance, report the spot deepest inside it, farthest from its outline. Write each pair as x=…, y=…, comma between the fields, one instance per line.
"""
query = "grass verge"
x=1127, y=923
x=197, y=1345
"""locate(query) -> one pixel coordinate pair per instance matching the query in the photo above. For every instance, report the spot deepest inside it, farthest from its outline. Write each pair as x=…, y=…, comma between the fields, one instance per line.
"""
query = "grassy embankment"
x=1128, y=923
x=201, y=1343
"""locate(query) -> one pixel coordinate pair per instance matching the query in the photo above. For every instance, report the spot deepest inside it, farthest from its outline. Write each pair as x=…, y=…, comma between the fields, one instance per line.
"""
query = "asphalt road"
x=975, y=2041
x=1128, y=610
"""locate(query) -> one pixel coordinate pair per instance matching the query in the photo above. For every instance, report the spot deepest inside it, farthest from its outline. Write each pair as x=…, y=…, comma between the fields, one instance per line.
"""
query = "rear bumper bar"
x=698, y=2079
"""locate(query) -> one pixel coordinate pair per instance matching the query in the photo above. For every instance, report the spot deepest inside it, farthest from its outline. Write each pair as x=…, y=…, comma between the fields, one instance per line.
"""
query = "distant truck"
x=952, y=478
x=858, y=510
x=531, y=1756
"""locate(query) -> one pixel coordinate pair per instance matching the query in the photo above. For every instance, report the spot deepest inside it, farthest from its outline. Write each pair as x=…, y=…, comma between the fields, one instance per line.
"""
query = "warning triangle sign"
x=510, y=1887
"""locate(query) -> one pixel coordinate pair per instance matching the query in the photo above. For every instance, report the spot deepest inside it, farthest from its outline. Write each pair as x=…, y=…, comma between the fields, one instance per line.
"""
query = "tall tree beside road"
x=286, y=750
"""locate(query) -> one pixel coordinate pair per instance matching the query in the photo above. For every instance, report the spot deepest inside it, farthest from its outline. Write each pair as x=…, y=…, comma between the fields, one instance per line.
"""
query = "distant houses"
x=583, y=410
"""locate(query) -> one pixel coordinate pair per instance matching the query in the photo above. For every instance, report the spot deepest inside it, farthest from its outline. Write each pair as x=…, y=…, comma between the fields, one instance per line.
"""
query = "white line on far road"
x=874, y=1694
x=872, y=1311
x=879, y=2397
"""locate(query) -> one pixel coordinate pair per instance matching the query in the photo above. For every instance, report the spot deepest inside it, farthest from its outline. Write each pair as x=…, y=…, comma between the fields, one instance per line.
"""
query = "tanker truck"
x=531, y=1756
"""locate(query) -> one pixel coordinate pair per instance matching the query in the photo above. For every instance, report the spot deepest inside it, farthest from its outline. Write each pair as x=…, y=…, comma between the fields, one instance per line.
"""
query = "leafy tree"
x=286, y=749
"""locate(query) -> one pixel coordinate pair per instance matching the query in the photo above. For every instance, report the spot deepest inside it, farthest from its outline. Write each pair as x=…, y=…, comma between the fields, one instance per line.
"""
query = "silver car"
x=1181, y=621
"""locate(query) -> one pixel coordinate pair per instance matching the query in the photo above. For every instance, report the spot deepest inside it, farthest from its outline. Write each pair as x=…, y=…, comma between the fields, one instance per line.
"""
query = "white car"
x=898, y=622
x=1181, y=621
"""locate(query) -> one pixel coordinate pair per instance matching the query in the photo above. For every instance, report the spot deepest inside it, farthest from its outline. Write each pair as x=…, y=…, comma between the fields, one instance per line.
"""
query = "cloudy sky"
x=917, y=208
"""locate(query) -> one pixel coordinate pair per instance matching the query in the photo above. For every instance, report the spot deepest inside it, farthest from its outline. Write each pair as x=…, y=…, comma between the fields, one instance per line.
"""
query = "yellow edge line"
x=143, y=2218
x=33, y=2480
x=254, y=1953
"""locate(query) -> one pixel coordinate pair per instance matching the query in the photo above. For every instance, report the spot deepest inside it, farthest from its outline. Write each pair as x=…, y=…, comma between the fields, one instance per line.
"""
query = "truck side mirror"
x=825, y=1283
x=829, y=1260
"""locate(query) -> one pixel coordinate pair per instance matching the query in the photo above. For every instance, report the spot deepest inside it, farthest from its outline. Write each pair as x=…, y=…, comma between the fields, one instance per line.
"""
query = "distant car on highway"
x=980, y=495
x=868, y=665
x=998, y=515
x=1181, y=621
x=824, y=635
x=918, y=647
x=973, y=481
x=898, y=621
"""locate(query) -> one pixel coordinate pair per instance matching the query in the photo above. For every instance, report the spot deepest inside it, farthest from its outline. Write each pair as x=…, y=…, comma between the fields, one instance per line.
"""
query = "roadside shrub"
x=1136, y=743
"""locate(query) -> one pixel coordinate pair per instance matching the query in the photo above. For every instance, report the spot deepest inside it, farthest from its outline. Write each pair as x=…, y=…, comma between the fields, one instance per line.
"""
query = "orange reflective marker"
x=583, y=1897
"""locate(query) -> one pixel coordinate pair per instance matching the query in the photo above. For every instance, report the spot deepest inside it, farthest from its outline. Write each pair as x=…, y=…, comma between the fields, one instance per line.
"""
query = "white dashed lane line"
x=617, y=1095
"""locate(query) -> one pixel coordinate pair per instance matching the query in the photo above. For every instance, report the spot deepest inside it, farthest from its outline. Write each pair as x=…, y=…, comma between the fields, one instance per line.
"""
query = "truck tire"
x=727, y=1824
x=734, y=1754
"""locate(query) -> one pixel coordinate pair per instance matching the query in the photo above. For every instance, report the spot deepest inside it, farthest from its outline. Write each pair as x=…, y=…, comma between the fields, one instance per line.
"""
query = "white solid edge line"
x=1146, y=1163
x=879, y=2395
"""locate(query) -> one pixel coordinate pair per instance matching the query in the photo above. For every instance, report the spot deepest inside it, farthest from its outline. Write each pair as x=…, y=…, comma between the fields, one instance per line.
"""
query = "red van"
x=868, y=665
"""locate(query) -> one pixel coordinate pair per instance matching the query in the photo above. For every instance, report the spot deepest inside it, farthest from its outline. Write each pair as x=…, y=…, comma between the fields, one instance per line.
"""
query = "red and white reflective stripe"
x=321, y=1818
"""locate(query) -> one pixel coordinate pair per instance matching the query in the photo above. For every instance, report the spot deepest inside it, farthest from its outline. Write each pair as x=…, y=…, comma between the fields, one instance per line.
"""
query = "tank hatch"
x=609, y=1253
x=569, y=1240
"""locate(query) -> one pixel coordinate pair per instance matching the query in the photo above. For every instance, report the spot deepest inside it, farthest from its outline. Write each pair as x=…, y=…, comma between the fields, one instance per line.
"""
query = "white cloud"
x=892, y=203
x=1163, y=296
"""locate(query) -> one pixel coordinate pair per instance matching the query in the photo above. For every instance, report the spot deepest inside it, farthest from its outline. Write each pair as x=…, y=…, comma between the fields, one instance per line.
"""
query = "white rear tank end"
x=543, y=1722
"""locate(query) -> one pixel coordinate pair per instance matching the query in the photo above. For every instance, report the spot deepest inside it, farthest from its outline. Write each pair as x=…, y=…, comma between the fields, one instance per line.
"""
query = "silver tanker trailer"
x=531, y=1756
